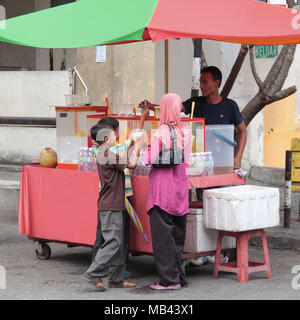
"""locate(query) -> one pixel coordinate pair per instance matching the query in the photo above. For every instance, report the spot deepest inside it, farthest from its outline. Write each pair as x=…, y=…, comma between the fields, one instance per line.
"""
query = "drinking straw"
x=192, y=112
x=219, y=135
x=191, y=124
x=108, y=105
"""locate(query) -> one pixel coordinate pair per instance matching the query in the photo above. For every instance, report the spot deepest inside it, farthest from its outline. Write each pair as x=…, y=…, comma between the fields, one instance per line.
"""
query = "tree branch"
x=273, y=73
x=234, y=71
x=259, y=101
x=284, y=93
x=254, y=72
x=284, y=69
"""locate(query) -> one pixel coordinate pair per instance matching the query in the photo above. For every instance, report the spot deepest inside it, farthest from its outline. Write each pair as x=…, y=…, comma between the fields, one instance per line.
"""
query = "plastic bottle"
x=192, y=164
x=201, y=163
x=85, y=166
x=206, y=164
x=81, y=154
x=92, y=161
x=210, y=160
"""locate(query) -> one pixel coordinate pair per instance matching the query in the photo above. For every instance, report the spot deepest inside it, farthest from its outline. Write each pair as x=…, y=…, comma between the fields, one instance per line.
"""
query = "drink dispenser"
x=72, y=132
x=219, y=139
x=198, y=133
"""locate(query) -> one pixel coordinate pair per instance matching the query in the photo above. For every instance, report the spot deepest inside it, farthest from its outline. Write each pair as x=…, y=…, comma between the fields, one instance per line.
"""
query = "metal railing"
x=45, y=122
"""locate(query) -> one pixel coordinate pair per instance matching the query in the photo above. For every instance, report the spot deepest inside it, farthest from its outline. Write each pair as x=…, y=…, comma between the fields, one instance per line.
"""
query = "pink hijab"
x=170, y=108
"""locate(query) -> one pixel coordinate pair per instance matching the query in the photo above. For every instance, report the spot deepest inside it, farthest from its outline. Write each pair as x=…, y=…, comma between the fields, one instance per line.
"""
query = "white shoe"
x=200, y=261
x=224, y=259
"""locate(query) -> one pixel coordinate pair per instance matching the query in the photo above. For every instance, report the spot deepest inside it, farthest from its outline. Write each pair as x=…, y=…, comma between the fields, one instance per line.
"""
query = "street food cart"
x=60, y=205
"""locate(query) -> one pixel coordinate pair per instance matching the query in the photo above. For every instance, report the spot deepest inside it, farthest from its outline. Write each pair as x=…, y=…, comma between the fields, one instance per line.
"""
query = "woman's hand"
x=144, y=115
x=147, y=104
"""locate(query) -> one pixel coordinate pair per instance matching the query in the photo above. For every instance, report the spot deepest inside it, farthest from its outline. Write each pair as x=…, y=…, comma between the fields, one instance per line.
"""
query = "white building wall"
x=180, y=68
x=20, y=144
x=32, y=93
x=29, y=94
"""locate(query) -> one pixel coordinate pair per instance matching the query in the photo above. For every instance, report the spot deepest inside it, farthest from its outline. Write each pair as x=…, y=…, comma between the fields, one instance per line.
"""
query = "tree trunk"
x=270, y=89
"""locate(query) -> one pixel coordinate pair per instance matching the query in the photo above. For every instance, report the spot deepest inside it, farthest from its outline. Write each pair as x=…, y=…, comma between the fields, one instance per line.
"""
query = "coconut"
x=48, y=158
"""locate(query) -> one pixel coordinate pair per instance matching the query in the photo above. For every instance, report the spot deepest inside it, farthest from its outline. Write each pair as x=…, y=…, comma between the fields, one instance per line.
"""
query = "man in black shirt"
x=213, y=107
x=216, y=109
x=224, y=112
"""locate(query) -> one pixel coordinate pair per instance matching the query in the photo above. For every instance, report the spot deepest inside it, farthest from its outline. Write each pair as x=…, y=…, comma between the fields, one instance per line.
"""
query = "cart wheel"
x=45, y=253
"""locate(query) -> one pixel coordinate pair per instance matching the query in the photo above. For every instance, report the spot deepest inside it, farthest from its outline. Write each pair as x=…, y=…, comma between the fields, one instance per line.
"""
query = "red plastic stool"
x=242, y=266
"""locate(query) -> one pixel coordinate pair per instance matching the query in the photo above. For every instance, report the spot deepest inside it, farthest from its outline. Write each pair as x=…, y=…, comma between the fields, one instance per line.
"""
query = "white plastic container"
x=241, y=208
x=72, y=132
x=200, y=239
x=68, y=147
x=222, y=152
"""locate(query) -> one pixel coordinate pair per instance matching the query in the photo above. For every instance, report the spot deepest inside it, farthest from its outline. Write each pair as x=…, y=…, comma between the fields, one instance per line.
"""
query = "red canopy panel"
x=238, y=21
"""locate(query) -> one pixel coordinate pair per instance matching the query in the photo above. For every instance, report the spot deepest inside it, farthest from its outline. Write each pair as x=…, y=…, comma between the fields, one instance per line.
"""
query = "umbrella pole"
x=166, y=66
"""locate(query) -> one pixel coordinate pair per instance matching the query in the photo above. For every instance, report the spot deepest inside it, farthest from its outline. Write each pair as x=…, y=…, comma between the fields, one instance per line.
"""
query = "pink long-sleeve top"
x=168, y=187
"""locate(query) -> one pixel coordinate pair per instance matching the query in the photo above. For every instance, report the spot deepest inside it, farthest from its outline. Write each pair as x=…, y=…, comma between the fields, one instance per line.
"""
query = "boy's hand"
x=139, y=137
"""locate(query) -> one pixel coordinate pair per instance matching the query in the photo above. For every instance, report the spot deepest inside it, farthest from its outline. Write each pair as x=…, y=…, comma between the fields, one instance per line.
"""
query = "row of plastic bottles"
x=201, y=163
x=87, y=160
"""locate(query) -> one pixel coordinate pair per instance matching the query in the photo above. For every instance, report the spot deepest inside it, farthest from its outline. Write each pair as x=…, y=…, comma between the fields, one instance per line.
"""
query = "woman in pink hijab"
x=168, y=197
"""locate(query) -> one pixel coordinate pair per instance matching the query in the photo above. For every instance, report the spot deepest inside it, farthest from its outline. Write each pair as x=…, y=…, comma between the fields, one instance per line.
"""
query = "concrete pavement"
x=60, y=276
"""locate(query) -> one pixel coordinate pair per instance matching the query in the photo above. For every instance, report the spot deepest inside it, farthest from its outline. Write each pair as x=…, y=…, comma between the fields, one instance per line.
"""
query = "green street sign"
x=266, y=51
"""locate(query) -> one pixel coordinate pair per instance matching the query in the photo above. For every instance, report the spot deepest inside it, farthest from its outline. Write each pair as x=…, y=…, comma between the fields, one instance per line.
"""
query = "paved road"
x=59, y=277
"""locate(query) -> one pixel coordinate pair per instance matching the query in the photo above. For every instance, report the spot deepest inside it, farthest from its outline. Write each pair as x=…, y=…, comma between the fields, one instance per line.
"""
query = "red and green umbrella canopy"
x=94, y=22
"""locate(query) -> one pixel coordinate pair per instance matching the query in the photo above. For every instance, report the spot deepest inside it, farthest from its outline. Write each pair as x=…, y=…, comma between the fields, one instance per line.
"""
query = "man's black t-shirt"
x=224, y=112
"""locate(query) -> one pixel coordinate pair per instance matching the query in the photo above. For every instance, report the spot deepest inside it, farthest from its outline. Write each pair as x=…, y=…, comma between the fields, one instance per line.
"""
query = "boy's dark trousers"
x=110, y=258
x=99, y=239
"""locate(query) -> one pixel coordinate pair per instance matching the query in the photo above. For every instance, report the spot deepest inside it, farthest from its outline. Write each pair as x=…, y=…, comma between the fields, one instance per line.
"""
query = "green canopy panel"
x=80, y=24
